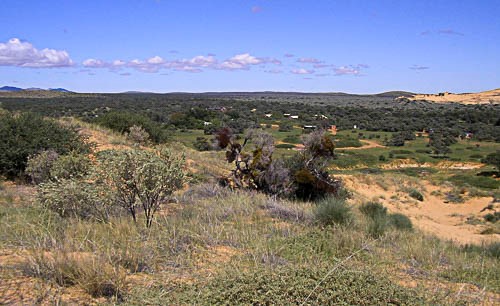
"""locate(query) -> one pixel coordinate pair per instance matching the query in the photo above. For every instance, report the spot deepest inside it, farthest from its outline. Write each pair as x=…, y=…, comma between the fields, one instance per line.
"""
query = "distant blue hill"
x=59, y=89
x=10, y=88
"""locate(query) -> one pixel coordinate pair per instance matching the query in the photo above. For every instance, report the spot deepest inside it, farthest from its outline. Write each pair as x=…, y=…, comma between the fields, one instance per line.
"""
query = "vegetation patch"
x=288, y=286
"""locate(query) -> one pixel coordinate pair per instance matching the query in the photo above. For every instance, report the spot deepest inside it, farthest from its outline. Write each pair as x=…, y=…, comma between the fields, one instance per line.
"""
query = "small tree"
x=492, y=159
x=141, y=178
x=138, y=135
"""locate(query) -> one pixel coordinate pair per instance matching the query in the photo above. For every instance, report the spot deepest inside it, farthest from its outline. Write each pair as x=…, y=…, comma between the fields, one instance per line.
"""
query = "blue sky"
x=233, y=45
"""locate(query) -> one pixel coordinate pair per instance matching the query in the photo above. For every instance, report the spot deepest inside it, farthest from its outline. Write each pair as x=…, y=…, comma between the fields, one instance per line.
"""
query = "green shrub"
x=416, y=195
x=72, y=198
x=202, y=144
x=27, y=134
x=72, y=165
x=378, y=225
x=333, y=210
x=39, y=166
x=400, y=222
x=492, y=217
x=122, y=122
x=138, y=135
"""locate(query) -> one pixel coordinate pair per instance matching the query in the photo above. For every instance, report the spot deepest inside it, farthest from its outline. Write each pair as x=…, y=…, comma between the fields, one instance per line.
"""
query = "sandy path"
x=367, y=144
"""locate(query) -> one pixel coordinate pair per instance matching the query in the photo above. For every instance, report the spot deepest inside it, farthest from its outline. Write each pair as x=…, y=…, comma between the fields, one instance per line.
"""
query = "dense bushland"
x=132, y=123
x=26, y=134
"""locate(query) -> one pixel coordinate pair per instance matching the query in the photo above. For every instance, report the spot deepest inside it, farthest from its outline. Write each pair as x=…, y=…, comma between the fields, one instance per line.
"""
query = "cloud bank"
x=22, y=54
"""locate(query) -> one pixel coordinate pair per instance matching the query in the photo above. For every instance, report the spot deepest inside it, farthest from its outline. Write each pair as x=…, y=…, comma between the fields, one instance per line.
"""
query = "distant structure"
x=207, y=123
x=355, y=127
x=268, y=115
x=333, y=130
x=294, y=117
x=309, y=127
x=286, y=115
x=253, y=110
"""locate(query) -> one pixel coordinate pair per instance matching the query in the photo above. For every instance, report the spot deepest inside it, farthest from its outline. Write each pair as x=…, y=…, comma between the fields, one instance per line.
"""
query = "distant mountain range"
x=12, y=88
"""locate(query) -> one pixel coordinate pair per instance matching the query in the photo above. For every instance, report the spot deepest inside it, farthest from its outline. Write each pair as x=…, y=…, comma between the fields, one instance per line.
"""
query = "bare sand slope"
x=485, y=97
x=451, y=221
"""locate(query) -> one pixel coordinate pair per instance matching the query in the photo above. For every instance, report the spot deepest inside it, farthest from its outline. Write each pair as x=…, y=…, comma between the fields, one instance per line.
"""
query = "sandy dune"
x=485, y=97
x=450, y=221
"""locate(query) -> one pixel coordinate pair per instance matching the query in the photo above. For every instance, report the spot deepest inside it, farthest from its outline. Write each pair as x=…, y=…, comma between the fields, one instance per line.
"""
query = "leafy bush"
x=27, y=134
x=72, y=198
x=72, y=165
x=400, y=222
x=492, y=217
x=202, y=144
x=39, y=166
x=493, y=159
x=416, y=195
x=333, y=210
x=138, y=135
x=48, y=165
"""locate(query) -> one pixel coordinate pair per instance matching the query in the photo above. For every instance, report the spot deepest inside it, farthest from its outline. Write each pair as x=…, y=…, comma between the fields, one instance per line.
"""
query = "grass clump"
x=416, y=195
x=380, y=220
x=400, y=222
x=333, y=210
x=96, y=275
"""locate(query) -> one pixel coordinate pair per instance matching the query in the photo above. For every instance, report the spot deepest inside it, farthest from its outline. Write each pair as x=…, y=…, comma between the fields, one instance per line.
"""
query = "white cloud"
x=245, y=60
x=118, y=63
x=155, y=60
x=94, y=63
x=22, y=54
x=309, y=60
x=347, y=70
x=302, y=71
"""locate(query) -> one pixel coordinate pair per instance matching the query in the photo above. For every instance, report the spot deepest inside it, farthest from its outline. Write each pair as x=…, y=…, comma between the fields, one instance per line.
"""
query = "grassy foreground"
x=216, y=246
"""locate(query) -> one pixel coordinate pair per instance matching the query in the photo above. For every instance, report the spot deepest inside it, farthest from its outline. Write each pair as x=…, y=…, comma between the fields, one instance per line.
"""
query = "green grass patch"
x=475, y=181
